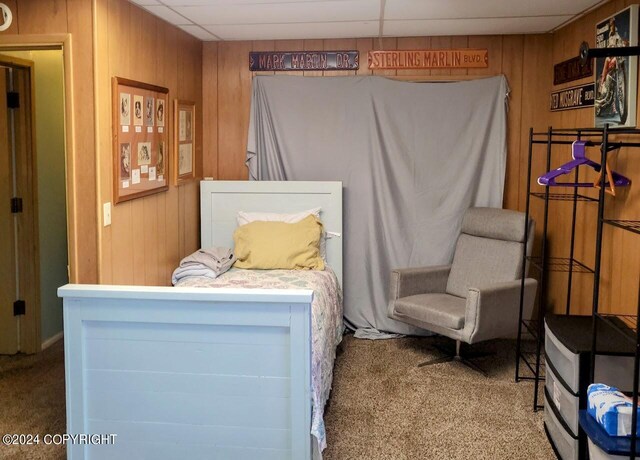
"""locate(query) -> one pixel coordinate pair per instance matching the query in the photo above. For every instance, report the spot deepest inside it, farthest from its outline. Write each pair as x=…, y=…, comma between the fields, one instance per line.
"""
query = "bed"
x=199, y=372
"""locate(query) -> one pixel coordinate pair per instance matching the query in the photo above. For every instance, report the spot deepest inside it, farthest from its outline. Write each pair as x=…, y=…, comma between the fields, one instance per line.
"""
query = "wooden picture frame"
x=184, y=141
x=140, y=139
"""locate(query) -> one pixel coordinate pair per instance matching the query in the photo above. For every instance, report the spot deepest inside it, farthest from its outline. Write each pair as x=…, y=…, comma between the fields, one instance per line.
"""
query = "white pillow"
x=244, y=218
x=292, y=218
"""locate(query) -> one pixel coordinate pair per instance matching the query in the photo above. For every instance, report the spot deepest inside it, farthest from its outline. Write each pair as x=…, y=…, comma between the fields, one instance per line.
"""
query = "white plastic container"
x=595, y=453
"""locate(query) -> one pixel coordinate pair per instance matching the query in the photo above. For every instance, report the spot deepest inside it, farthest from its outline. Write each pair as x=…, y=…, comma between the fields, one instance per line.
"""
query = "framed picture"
x=139, y=148
x=616, y=77
x=125, y=109
x=160, y=112
x=137, y=110
x=184, y=148
x=149, y=111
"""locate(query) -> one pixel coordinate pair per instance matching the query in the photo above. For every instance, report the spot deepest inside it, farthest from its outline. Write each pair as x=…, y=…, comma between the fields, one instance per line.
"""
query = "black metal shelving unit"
x=529, y=365
x=625, y=324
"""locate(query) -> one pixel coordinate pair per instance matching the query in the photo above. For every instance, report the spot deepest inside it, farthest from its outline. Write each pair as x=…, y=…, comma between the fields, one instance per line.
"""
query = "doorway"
x=33, y=230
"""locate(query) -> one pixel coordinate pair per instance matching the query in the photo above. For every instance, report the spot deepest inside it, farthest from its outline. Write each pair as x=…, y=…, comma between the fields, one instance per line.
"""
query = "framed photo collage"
x=141, y=157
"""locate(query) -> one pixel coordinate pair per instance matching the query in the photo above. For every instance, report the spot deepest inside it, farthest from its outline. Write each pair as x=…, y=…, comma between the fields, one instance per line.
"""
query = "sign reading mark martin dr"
x=303, y=60
x=576, y=97
x=429, y=59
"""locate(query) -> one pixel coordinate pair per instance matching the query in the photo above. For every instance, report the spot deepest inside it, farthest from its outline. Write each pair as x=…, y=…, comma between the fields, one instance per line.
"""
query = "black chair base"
x=456, y=356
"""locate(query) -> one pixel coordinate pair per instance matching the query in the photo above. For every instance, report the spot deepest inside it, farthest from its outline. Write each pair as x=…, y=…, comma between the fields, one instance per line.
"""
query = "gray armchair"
x=477, y=297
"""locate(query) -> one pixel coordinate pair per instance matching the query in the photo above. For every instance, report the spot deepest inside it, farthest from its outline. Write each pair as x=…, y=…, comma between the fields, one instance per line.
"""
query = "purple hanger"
x=579, y=159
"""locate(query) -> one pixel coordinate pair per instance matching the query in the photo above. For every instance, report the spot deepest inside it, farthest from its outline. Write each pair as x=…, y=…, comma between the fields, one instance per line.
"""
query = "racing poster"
x=616, y=77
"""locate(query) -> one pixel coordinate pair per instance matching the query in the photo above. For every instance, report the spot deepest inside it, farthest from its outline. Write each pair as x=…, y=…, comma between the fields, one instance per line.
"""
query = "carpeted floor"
x=385, y=407
x=32, y=401
x=382, y=405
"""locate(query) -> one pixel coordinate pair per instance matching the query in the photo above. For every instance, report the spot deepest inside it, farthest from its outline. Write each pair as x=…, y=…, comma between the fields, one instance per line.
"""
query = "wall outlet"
x=106, y=214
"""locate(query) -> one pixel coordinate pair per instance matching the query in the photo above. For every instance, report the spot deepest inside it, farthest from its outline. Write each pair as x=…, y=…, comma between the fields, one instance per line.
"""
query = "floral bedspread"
x=326, y=328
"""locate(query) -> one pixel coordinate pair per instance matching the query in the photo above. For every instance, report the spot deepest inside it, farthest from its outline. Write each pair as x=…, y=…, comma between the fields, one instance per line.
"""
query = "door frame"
x=28, y=259
x=64, y=42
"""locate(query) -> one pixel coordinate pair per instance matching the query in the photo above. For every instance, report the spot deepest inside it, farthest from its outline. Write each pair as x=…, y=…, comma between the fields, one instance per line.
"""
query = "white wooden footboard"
x=188, y=373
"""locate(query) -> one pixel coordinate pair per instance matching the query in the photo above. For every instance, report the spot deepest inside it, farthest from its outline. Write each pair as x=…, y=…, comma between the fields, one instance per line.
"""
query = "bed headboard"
x=220, y=202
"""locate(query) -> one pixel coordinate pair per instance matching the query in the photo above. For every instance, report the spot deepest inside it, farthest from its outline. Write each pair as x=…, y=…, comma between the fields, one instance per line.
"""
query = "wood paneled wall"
x=149, y=235
x=527, y=62
x=519, y=57
x=621, y=249
x=46, y=17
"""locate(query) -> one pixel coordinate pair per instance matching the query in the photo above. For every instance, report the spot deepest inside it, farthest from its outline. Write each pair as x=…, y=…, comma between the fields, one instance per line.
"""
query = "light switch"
x=106, y=214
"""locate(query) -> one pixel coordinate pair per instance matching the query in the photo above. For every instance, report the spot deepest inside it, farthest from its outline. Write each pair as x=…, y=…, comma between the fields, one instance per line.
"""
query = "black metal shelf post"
x=521, y=321
x=573, y=237
x=543, y=280
x=636, y=368
x=598, y=262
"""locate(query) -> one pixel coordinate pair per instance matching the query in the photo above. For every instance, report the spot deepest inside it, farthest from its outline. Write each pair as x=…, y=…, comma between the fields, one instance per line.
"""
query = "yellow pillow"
x=273, y=245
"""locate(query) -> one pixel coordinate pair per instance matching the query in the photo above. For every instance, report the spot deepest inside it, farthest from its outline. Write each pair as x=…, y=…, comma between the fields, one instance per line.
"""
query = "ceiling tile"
x=233, y=2
x=299, y=19
x=493, y=26
x=279, y=13
x=451, y=9
x=198, y=32
x=145, y=2
x=295, y=31
x=167, y=14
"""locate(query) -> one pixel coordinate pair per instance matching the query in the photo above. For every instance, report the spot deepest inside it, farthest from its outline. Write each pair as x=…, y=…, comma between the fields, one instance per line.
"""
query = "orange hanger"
x=612, y=186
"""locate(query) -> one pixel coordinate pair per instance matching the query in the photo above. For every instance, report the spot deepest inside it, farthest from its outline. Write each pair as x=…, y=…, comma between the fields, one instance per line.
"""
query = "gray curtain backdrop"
x=412, y=158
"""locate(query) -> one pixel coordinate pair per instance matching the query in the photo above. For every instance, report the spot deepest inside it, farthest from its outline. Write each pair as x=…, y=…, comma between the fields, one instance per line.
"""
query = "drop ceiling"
x=212, y=20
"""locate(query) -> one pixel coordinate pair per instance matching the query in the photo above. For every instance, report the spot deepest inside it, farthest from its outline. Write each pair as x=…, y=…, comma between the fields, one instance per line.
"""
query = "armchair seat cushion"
x=442, y=309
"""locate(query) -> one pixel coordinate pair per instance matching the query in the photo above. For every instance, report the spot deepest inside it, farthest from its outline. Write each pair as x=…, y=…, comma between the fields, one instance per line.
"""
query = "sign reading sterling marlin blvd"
x=576, y=97
x=303, y=60
x=429, y=59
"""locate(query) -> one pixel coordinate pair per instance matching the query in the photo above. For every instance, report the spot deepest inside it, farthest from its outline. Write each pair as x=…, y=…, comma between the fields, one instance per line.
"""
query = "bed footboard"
x=188, y=373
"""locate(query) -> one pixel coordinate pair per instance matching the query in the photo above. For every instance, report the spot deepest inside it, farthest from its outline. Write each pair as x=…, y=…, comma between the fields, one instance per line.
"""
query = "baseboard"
x=51, y=340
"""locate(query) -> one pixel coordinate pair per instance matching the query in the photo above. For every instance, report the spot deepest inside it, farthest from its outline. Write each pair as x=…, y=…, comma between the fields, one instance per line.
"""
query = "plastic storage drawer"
x=568, y=347
x=566, y=402
x=565, y=444
x=566, y=363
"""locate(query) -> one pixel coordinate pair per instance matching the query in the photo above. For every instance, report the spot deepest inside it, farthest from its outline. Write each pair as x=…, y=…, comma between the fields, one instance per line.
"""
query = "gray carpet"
x=382, y=405
x=32, y=401
x=385, y=407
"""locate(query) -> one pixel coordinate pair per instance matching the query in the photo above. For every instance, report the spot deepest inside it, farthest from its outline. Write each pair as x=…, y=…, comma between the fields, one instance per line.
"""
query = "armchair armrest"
x=420, y=280
x=492, y=311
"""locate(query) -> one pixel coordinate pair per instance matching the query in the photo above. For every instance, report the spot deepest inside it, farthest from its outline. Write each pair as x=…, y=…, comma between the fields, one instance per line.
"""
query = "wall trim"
x=51, y=340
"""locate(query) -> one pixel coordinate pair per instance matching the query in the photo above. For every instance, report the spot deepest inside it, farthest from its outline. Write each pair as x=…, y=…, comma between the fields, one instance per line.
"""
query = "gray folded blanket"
x=210, y=263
